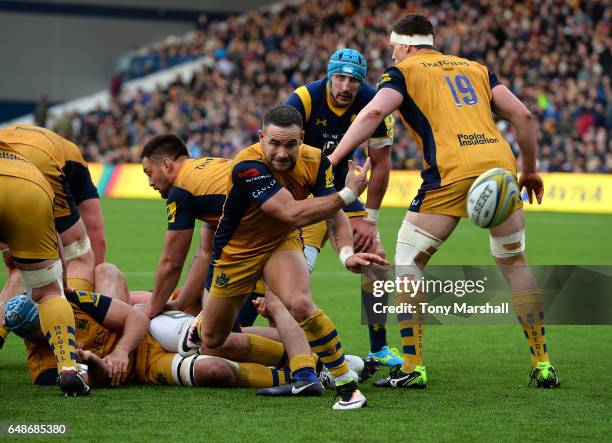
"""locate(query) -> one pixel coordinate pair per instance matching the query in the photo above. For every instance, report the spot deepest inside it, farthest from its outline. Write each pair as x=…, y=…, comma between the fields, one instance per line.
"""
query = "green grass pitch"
x=478, y=374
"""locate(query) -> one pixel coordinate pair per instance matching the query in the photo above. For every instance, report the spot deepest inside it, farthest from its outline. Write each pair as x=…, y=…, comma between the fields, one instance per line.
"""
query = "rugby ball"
x=21, y=315
x=492, y=197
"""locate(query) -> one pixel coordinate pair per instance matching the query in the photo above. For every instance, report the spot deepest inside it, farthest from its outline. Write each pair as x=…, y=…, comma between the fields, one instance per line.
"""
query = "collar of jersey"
x=330, y=104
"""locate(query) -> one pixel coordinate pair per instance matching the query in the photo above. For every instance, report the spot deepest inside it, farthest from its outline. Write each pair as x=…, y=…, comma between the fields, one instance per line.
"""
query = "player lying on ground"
x=110, y=335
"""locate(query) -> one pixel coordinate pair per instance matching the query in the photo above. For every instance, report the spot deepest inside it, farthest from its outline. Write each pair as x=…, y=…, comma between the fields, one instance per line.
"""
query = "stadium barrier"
x=564, y=192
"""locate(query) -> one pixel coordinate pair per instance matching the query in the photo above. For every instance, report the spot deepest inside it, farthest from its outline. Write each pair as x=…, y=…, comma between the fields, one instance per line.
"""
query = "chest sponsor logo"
x=475, y=139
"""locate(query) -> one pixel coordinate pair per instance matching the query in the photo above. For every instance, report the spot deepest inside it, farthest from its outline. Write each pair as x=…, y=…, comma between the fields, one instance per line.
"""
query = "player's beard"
x=286, y=165
x=344, y=99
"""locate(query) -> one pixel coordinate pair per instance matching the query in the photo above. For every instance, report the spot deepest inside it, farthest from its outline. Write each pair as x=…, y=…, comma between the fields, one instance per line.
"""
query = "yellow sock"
x=57, y=323
x=3, y=333
x=254, y=375
x=412, y=328
x=264, y=351
x=529, y=309
x=301, y=361
x=324, y=341
x=80, y=284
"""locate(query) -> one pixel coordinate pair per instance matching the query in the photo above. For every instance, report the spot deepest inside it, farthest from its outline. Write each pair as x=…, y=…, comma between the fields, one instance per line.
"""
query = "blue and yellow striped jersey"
x=198, y=193
x=325, y=124
x=447, y=110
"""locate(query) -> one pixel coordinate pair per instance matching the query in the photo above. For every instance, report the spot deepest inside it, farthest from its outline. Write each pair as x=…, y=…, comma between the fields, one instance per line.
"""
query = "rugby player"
x=444, y=102
x=27, y=226
x=266, y=201
x=63, y=166
x=66, y=171
x=117, y=344
x=194, y=189
x=328, y=106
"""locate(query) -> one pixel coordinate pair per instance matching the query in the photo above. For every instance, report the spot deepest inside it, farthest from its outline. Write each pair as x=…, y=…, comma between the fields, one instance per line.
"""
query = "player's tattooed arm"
x=341, y=236
x=339, y=230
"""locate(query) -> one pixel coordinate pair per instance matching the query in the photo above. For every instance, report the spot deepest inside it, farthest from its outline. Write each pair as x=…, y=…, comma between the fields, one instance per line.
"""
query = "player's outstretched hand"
x=532, y=182
x=117, y=366
x=357, y=177
x=359, y=259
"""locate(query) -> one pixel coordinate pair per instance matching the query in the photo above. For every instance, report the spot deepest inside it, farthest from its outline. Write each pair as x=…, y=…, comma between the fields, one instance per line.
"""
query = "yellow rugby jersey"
x=198, y=192
x=447, y=110
x=14, y=165
x=47, y=151
x=244, y=229
x=90, y=310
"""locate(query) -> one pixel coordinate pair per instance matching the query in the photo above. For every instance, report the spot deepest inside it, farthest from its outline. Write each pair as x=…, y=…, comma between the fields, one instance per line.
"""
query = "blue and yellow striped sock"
x=529, y=309
x=412, y=328
x=254, y=375
x=324, y=341
x=57, y=323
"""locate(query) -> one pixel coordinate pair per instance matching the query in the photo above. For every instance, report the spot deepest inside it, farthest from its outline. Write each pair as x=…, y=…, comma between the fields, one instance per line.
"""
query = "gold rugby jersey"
x=245, y=230
x=447, y=111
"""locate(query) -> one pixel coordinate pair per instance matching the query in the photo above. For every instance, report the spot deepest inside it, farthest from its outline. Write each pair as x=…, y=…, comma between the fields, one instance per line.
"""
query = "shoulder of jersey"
x=310, y=153
x=253, y=152
x=316, y=85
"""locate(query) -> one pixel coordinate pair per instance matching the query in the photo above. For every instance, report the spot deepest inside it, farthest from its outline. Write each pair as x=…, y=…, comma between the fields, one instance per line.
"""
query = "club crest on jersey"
x=252, y=172
x=171, y=212
x=222, y=280
x=321, y=122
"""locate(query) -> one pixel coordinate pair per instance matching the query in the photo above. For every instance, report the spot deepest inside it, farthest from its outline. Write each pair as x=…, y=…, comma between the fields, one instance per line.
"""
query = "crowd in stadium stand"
x=554, y=55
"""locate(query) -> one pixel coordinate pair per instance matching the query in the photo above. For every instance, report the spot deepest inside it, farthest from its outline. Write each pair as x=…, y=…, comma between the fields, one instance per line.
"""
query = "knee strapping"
x=509, y=245
x=411, y=241
x=42, y=277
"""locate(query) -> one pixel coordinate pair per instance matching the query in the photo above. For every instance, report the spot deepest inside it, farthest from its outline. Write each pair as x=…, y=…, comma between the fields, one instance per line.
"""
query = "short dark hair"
x=283, y=116
x=414, y=24
x=169, y=145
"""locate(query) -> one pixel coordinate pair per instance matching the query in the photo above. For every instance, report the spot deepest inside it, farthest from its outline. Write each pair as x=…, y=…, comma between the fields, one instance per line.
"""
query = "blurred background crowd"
x=553, y=54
